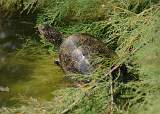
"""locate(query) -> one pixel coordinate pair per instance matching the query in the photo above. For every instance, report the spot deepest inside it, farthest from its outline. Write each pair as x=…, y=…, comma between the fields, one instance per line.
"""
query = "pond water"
x=25, y=68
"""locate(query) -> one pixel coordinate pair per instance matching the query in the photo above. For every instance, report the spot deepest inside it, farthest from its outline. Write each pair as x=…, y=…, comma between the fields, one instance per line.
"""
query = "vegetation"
x=130, y=27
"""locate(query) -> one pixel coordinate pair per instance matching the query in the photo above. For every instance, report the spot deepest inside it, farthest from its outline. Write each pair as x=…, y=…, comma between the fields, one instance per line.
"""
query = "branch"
x=70, y=107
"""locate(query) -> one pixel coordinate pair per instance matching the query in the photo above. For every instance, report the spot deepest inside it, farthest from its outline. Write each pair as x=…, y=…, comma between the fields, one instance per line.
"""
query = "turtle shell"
x=78, y=51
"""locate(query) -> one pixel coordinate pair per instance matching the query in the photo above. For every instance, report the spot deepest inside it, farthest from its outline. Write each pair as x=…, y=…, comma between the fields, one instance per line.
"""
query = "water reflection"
x=12, y=34
x=31, y=74
x=3, y=35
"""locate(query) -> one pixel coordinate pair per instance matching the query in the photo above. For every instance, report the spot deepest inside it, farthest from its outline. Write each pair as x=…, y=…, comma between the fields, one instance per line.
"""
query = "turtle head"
x=51, y=34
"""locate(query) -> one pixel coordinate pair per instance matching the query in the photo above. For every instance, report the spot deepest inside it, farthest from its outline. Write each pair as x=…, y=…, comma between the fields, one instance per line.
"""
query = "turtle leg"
x=57, y=61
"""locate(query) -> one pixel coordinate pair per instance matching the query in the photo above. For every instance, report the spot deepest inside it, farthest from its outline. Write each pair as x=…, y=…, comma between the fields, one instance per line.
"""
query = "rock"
x=4, y=89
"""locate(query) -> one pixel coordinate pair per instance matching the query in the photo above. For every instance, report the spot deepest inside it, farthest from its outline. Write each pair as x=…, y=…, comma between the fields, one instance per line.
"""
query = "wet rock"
x=4, y=89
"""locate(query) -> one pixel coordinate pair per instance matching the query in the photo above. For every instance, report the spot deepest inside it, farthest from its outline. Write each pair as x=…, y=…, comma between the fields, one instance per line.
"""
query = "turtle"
x=77, y=51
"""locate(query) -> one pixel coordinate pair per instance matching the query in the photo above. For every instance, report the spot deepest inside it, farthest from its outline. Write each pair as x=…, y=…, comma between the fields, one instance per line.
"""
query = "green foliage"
x=10, y=9
x=131, y=27
x=147, y=57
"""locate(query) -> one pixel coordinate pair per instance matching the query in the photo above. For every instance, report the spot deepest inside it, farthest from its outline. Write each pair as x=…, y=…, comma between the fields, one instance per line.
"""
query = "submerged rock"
x=4, y=89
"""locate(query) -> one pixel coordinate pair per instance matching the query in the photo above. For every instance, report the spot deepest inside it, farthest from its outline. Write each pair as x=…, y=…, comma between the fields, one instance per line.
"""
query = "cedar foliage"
x=131, y=28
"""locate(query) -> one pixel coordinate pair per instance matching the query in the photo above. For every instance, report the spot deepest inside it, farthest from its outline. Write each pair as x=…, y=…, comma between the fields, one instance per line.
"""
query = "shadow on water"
x=13, y=72
x=31, y=74
x=12, y=37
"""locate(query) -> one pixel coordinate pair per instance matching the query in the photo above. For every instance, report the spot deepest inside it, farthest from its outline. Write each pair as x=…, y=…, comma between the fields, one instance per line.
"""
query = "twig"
x=111, y=93
x=72, y=105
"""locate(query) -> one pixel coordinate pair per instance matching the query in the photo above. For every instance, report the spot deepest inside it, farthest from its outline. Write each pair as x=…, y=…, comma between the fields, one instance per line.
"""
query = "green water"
x=28, y=70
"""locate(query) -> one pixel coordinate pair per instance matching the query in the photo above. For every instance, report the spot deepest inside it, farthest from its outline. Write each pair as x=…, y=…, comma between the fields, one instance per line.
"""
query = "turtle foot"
x=57, y=62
